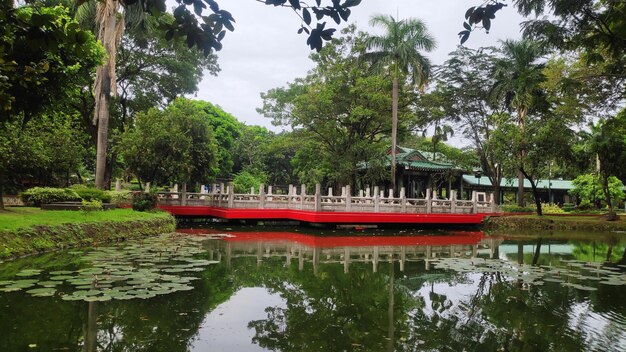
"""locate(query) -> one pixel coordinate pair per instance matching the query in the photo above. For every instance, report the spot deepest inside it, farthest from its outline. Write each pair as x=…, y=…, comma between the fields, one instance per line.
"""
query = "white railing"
x=376, y=203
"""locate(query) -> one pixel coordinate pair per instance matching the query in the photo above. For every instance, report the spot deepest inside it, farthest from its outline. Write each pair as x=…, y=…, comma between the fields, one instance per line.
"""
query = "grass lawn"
x=17, y=217
x=576, y=218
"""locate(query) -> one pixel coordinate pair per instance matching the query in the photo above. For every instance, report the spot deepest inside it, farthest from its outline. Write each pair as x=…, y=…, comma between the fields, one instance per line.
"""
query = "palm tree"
x=518, y=78
x=397, y=51
x=110, y=24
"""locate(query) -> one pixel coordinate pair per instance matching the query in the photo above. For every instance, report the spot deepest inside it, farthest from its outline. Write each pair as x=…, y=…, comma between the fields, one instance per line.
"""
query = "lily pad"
x=28, y=273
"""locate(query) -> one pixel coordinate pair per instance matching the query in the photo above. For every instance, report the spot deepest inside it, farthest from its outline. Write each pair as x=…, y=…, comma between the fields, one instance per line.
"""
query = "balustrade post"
x=252, y=190
x=183, y=195
x=492, y=202
x=453, y=201
x=261, y=196
x=348, y=198
x=361, y=193
x=289, y=195
x=231, y=195
x=269, y=190
x=118, y=185
x=302, y=195
x=222, y=189
x=402, y=200
x=147, y=189
x=428, y=201
x=474, y=200
x=330, y=191
x=318, y=197
x=376, y=200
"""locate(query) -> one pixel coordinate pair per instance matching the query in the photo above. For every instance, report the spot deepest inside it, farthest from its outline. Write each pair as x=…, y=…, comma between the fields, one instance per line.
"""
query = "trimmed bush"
x=517, y=209
x=548, y=208
x=91, y=205
x=37, y=196
x=121, y=197
x=143, y=201
x=90, y=193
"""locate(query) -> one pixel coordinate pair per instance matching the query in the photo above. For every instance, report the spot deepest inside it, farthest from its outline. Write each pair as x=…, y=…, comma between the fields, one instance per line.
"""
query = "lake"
x=301, y=289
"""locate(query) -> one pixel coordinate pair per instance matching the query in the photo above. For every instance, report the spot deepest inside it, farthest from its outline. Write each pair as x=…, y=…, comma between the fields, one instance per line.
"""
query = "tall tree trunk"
x=611, y=216
x=394, y=132
x=496, y=193
x=520, y=189
x=535, y=191
x=109, y=34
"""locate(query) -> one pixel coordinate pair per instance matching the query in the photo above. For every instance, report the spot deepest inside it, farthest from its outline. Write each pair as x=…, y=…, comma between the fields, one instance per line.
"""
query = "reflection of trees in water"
x=339, y=311
x=336, y=311
x=611, y=250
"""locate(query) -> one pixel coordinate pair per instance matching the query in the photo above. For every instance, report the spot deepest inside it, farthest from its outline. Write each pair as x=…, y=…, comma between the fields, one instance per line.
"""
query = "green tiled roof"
x=425, y=163
x=512, y=183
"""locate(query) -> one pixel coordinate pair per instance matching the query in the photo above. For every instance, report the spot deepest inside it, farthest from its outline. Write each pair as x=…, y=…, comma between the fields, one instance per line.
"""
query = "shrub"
x=143, y=201
x=37, y=196
x=90, y=193
x=549, y=208
x=121, y=197
x=91, y=205
x=245, y=180
x=585, y=205
x=568, y=207
x=517, y=209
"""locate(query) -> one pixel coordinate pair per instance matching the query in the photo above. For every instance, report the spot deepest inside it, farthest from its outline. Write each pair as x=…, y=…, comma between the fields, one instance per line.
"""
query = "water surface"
x=292, y=289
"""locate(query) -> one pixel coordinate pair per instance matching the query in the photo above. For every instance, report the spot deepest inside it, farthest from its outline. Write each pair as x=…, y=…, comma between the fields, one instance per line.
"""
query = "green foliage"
x=144, y=201
x=175, y=145
x=517, y=209
x=121, y=197
x=90, y=193
x=589, y=190
x=549, y=208
x=43, y=53
x=226, y=129
x=37, y=196
x=152, y=70
x=244, y=180
x=90, y=206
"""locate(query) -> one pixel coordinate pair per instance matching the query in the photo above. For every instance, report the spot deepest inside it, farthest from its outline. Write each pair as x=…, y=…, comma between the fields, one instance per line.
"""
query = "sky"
x=265, y=51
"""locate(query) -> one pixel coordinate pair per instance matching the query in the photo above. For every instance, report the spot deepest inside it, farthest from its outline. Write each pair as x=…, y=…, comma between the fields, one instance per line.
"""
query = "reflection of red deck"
x=456, y=238
x=325, y=217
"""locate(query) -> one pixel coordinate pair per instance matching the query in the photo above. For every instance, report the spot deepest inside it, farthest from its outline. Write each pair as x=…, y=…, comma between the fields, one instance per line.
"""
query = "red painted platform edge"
x=326, y=217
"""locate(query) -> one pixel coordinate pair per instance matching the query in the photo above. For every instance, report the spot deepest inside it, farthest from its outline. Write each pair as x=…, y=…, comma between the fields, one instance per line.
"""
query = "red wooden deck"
x=325, y=217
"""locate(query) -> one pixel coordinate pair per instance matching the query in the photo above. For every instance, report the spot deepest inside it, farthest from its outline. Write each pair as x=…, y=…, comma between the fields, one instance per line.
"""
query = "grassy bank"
x=556, y=223
x=26, y=231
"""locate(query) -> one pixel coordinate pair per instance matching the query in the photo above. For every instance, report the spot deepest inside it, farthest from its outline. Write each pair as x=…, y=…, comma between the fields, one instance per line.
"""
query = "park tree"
x=339, y=110
x=518, y=78
x=462, y=98
x=226, y=129
x=250, y=148
x=589, y=190
x=397, y=52
x=173, y=145
x=608, y=143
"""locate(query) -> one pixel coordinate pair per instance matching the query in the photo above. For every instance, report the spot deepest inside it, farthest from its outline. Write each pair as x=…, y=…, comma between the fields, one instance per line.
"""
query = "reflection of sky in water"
x=602, y=331
x=226, y=327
